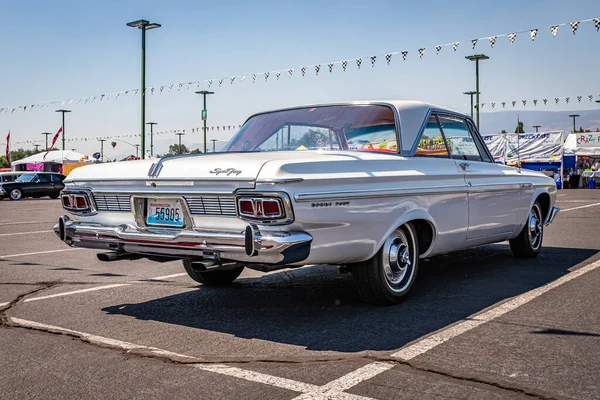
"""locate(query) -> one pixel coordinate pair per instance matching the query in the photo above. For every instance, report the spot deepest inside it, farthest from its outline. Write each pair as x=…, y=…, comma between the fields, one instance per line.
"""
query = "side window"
x=432, y=142
x=56, y=178
x=380, y=138
x=44, y=178
x=459, y=139
x=483, y=150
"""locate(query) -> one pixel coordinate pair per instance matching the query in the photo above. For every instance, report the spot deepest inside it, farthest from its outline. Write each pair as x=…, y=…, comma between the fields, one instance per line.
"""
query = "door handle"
x=464, y=165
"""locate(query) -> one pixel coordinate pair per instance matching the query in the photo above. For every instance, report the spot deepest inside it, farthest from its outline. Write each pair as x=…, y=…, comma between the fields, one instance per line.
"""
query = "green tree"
x=16, y=155
x=175, y=149
x=519, y=128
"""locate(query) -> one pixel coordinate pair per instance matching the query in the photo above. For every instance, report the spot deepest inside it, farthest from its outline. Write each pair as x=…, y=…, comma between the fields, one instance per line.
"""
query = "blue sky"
x=71, y=49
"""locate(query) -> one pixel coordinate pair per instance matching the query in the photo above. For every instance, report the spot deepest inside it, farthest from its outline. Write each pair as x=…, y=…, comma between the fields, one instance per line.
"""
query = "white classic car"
x=287, y=191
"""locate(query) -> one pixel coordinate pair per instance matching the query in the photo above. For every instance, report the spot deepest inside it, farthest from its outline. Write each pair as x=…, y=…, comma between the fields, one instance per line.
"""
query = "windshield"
x=26, y=178
x=359, y=128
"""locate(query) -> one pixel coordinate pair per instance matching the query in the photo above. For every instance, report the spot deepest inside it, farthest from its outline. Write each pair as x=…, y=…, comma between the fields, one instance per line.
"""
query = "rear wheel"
x=212, y=278
x=388, y=277
x=529, y=242
x=16, y=194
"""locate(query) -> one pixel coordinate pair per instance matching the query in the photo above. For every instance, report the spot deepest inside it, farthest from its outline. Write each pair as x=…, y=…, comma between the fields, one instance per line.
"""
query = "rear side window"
x=44, y=178
x=56, y=178
x=432, y=142
x=459, y=139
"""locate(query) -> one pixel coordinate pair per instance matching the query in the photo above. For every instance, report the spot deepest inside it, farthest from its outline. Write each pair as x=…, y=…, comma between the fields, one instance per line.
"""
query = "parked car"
x=269, y=200
x=8, y=176
x=34, y=184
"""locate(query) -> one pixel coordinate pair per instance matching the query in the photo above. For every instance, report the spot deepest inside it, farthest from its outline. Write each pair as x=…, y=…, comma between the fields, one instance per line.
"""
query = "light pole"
x=137, y=150
x=46, y=133
x=574, y=116
x=214, y=141
x=102, y=149
x=204, y=112
x=471, y=93
x=36, y=147
x=537, y=127
x=151, y=139
x=476, y=58
x=179, y=148
x=63, y=126
x=143, y=25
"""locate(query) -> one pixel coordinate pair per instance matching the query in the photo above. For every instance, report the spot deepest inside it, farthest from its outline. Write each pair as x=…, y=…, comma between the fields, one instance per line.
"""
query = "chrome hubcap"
x=397, y=260
x=15, y=194
x=535, y=228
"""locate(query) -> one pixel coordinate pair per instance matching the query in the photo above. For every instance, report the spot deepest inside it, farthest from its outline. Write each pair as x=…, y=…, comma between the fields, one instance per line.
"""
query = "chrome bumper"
x=552, y=215
x=250, y=246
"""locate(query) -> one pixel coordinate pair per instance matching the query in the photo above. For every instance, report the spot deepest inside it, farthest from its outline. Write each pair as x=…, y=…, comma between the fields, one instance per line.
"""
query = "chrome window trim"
x=437, y=112
x=288, y=218
x=437, y=120
x=482, y=145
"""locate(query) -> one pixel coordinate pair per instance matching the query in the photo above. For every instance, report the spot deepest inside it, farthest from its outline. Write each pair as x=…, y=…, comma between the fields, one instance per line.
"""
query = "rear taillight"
x=261, y=208
x=78, y=202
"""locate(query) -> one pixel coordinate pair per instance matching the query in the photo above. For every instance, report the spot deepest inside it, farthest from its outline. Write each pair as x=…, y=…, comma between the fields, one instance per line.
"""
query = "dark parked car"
x=33, y=184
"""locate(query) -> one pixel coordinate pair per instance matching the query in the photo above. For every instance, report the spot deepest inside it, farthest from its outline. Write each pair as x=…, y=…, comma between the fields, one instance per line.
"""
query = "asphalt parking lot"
x=479, y=324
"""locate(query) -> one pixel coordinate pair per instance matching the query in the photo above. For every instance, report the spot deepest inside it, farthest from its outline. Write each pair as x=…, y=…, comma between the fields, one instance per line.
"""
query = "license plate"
x=165, y=212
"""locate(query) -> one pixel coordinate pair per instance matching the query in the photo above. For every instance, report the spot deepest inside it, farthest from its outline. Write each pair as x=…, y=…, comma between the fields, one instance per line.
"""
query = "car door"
x=494, y=191
x=42, y=186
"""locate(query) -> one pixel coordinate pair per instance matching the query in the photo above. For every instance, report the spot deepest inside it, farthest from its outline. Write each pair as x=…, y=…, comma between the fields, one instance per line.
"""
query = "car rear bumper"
x=250, y=246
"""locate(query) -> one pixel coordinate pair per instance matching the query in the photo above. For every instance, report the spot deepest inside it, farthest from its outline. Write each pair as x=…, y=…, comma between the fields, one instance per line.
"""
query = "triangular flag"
x=533, y=34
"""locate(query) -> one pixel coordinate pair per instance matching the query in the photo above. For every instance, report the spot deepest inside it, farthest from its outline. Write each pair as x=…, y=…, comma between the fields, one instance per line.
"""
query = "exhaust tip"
x=62, y=231
x=249, y=236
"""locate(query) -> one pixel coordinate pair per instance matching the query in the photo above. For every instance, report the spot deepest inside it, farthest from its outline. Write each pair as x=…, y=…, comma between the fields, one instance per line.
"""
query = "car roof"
x=411, y=115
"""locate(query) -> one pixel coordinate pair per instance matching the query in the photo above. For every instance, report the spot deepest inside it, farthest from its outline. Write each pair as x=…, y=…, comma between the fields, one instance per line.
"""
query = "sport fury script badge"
x=228, y=171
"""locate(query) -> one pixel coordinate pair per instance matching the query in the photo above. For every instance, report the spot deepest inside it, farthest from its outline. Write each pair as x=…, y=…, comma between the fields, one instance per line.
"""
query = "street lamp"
x=471, y=93
x=143, y=25
x=63, y=126
x=46, y=133
x=574, y=116
x=151, y=134
x=476, y=58
x=179, y=148
x=36, y=147
x=537, y=127
x=102, y=149
x=204, y=113
x=214, y=141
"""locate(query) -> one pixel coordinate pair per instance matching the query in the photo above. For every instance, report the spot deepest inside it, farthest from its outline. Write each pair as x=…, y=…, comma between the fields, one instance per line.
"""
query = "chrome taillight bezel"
x=258, y=199
x=68, y=199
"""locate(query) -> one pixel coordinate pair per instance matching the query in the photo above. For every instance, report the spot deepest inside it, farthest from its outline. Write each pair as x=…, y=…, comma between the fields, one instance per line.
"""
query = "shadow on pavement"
x=317, y=308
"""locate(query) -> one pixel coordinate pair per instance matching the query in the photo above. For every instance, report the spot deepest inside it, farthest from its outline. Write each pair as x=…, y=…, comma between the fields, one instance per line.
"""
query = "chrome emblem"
x=228, y=171
x=155, y=170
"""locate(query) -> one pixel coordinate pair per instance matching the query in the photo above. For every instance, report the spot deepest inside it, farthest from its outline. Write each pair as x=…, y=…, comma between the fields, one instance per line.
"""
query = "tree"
x=519, y=128
x=503, y=131
x=581, y=129
x=175, y=149
x=16, y=155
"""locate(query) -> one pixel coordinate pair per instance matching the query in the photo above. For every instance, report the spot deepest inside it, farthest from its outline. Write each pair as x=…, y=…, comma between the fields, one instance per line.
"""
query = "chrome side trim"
x=496, y=187
x=551, y=215
x=137, y=179
x=368, y=194
x=276, y=181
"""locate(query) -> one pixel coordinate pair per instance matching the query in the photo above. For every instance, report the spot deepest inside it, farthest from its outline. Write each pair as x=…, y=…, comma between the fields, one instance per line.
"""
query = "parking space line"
x=28, y=222
x=331, y=390
x=23, y=233
x=577, y=208
x=51, y=296
x=335, y=389
x=424, y=345
x=4, y=304
x=39, y=252
x=160, y=278
x=259, y=377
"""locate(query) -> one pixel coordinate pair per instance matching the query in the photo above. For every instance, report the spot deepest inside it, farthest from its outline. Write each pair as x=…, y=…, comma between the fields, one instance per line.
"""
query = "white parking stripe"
x=39, y=252
x=4, y=304
x=23, y=233
x=258, y=377
x=577, y=208
x=160, y=278
x=93, y=289
x=334, y=389
x=329, y=391
x=423, y=345
x=28, y=222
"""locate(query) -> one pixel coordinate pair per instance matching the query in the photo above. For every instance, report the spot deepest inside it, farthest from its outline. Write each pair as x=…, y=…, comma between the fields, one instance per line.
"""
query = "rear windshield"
x=358, y=128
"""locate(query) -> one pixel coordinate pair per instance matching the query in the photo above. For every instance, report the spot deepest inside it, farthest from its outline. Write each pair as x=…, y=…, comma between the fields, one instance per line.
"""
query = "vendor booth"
x=586, y=148
x=55, y=161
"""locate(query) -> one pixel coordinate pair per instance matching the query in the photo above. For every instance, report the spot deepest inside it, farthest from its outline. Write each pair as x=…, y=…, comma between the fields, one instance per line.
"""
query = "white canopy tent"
x=54, y=156
x=583, y=144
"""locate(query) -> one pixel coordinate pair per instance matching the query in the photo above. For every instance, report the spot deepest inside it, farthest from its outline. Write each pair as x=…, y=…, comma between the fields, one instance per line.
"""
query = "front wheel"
x=212, y=278
x=529, y=242
x=16, y=194
x=388, y=277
